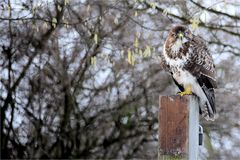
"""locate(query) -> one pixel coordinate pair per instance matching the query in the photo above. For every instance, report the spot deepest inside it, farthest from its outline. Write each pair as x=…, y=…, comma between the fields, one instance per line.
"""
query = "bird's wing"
x=164, y=64
x=200, y=64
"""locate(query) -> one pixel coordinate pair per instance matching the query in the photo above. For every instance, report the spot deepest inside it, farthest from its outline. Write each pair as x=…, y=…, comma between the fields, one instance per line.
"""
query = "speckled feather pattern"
x=198, y=60
x=191, y=64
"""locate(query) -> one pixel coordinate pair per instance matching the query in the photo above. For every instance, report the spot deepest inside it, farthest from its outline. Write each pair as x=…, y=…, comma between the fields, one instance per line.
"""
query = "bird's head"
x=180, y=32
x=179, y=35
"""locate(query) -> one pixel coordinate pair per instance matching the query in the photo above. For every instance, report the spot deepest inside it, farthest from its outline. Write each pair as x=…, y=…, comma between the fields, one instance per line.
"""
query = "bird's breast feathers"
x=176, y=61
x=183, y=77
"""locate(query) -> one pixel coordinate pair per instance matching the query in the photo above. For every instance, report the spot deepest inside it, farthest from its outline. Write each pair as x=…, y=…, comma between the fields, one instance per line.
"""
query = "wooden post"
x=178, y=127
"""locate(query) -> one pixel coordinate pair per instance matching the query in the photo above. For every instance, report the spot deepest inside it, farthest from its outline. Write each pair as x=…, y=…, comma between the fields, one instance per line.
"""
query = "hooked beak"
x=180, y=35
x=182, y=38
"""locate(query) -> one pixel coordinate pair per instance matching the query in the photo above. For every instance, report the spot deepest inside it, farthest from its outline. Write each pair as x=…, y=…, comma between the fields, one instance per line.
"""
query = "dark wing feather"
x=203, y=75
x=209, y=92
x=201, y=65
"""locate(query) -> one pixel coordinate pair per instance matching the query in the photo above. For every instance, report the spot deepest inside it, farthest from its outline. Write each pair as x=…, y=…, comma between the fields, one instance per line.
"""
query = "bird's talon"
x=184, y=93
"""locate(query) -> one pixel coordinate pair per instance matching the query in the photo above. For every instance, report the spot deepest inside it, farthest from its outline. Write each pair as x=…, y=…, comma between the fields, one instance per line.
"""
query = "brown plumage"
x=188, y=60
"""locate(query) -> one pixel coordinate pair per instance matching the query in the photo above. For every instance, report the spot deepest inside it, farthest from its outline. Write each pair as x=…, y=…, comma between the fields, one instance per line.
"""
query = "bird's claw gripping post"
x=187, y=91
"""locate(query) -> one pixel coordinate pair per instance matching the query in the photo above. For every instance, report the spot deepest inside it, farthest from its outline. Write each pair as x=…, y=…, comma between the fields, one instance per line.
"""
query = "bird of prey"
x=191, y=65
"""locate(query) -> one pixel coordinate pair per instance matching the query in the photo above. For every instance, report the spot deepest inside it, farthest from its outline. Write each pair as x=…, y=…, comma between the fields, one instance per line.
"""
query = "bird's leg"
x=187, y=90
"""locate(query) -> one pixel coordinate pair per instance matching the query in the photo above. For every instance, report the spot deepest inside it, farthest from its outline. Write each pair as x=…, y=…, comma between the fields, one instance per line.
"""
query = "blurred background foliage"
x=82, y=78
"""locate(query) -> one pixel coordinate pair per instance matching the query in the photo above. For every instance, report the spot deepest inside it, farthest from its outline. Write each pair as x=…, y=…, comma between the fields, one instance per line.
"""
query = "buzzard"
x=188, y=60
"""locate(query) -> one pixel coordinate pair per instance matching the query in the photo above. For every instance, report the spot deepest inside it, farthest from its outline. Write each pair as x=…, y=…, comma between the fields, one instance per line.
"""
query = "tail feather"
x=209, y=92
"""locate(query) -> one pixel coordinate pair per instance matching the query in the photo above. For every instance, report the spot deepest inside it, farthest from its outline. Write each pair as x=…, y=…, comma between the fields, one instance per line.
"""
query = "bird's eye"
x=187, y=32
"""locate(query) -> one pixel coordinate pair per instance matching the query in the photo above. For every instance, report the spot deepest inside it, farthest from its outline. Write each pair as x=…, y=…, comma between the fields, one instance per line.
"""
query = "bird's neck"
x=176, y=46
x=178, y=49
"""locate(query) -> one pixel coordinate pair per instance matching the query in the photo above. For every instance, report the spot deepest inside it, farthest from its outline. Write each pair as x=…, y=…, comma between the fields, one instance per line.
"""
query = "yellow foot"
x=184, y=93
x=187, y=91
